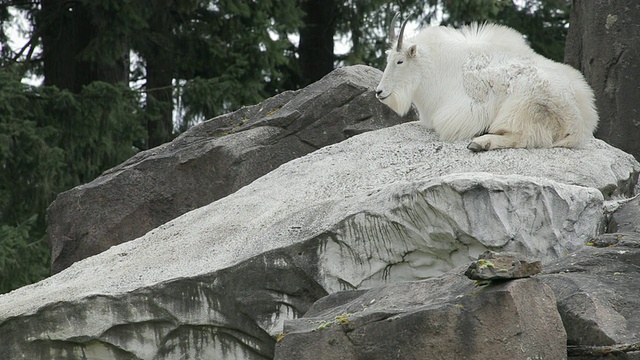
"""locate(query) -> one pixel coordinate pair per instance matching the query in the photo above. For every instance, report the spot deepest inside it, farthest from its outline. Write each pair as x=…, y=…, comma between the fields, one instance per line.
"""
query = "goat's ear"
x=412, y=51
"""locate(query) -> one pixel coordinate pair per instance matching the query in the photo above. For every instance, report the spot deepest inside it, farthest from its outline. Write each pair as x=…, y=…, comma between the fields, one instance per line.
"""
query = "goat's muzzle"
x=381, y=96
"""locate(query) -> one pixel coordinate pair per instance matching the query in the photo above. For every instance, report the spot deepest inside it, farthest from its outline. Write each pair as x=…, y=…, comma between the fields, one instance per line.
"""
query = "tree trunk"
x=66, y=30
x=316, y=39
x=159, y=54
x=603, y=43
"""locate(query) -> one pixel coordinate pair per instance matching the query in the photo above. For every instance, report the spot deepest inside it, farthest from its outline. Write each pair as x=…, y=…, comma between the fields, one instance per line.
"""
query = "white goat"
x=484, y=81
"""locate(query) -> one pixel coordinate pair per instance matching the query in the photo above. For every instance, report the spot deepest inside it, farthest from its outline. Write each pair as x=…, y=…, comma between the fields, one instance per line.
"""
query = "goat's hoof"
x=475, y=147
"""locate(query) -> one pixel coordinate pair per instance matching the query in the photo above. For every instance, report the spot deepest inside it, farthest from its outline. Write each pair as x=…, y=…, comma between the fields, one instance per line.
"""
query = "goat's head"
x=400, y=75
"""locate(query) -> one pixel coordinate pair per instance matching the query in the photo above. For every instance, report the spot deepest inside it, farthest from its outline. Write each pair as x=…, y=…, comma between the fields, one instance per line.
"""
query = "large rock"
x=597, y=292
x=443, y=318
x=388, y=205
x=598, y=288
x=603, y=43
x=212, y=160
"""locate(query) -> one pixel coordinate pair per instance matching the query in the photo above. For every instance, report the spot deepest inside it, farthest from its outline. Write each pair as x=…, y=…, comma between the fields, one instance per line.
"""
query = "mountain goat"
x=483, y=82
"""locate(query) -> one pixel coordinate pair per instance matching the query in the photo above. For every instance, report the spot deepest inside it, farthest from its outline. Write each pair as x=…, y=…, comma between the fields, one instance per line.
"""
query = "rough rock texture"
x=212, y=160
x=624, y=217
x=502, y=266
x=597, y=287
x=442, y=318
x=597, y=291
x=603, y=43
x=387, y=205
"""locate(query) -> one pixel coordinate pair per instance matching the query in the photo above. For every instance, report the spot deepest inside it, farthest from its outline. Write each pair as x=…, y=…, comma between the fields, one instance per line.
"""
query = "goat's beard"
x=399, y=103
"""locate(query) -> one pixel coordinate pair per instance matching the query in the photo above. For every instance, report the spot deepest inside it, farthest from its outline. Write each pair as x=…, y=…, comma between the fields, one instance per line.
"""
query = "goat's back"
x=488, y=37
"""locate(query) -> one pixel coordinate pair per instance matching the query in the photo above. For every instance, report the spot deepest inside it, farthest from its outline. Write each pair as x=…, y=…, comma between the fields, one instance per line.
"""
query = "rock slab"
x=212, y=160
x=597, y=289
x=502, y=266
x=597, y=293
x=441, y=318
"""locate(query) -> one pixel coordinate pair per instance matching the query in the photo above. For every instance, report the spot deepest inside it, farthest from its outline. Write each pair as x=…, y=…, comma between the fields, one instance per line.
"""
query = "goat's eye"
x=400, y=62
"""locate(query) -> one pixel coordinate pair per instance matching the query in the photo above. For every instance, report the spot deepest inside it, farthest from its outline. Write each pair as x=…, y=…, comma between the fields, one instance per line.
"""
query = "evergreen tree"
x=28, y=179
x=317, y=38
x=72, y=54
x=51, y=140
x=366, y=23
x=544, y=23
x=234, y=54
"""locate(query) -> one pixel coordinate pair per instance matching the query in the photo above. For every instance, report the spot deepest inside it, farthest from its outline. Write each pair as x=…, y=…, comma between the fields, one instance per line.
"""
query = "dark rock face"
x=440, y=318
x=603, y=44
x=212, y=160
x=598, y=287
x=597, y=293
x=219, y=316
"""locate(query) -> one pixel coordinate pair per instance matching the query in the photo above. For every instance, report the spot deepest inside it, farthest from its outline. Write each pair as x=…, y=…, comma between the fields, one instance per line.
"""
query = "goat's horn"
x=401, y=35
x=392, y=29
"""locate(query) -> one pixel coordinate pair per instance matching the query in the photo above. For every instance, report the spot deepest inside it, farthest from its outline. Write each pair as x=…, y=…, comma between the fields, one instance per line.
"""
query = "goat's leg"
x=499, y=140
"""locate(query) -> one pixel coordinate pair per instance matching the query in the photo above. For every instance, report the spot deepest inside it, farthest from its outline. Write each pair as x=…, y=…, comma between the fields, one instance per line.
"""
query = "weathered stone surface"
x=603, y=43
x=625, y=219
x=384, y=206
x=441, y=318
x=212, y=160
x=597, y=289
x=502, y=266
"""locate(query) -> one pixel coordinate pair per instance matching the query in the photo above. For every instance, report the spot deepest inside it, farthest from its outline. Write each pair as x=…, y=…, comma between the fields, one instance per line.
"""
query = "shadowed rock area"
x=597, y=290
x=441, y=318
x=597, y=293
x=212, y=160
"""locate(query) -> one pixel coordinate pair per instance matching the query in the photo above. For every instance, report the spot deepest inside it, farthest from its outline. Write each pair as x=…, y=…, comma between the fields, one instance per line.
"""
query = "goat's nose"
x=378, y=92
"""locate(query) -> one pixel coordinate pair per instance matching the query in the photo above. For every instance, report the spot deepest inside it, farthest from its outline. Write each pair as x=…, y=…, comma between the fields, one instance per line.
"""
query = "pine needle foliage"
x=50, y=141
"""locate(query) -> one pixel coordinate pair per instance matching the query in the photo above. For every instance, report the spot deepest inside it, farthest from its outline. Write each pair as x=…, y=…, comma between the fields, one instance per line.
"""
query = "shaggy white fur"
x=484, y=82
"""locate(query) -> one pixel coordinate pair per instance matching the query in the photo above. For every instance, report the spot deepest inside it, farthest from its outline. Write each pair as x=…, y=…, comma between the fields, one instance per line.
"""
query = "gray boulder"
x=212, y=160
x=603, y=43
x=598, y=288
x=384, y=206
x=441, y=318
